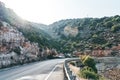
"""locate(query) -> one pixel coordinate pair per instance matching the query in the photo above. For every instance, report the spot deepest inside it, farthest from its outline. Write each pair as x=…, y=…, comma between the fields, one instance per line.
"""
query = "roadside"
x=76, y=70
x=56, y=73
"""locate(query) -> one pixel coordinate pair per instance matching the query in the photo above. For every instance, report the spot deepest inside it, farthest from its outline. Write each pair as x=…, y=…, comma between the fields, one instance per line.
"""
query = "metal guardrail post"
x=74, y=78
x=68, y=73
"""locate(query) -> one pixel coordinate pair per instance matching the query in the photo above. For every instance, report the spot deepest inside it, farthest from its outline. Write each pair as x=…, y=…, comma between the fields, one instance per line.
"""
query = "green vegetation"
x=73, y=63
x=89, y=70
x=115, y=28
x=89, y=62
x=39, y=36
x=17, y=50
x=88, y=73
x=92, y=32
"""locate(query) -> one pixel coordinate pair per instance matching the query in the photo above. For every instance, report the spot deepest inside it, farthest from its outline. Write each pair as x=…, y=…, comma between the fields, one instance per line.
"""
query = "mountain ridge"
x=69, y=35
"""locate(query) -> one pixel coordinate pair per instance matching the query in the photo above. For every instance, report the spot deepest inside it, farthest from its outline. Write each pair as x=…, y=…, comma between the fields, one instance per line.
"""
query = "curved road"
x=32, y=71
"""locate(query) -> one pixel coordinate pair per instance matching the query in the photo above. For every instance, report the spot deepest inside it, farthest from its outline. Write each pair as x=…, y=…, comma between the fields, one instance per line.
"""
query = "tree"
x=17, y=50
x=98, y=40
x=115, y=28
x=108, y=24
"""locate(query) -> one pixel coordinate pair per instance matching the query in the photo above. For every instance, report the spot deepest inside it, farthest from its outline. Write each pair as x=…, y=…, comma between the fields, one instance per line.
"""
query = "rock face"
x=69, y=31
x=14, y=48
x=113, y=74
x=9, y=34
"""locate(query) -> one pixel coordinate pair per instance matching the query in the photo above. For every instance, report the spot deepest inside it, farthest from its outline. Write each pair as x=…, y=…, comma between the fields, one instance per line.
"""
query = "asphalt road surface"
x=45, y=70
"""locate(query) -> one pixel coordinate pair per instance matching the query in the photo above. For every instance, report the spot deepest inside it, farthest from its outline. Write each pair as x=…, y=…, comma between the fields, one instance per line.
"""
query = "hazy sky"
x=49, y=11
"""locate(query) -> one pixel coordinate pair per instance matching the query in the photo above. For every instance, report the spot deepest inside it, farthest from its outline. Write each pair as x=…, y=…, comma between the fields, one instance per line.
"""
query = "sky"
x=49, y=11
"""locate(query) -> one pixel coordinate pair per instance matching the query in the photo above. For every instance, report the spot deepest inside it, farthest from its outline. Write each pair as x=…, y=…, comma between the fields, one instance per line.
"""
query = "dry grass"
x=113, y=74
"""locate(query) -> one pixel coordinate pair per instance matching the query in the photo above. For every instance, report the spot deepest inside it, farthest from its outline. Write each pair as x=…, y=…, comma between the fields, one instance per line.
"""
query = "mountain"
x=14, y=47
x=22, y=41
x=68, y=35
x=87, y=33
x=33, y=31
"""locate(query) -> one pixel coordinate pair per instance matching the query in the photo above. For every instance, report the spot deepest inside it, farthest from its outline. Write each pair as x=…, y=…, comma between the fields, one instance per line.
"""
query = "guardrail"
x=71, y=76
x=68, y=73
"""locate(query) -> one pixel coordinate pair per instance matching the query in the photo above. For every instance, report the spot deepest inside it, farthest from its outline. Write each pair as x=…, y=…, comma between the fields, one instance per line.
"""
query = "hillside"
x=14, y=47
x=87, y=33
x=70, y=35
x=22, y=41
x=33, y=31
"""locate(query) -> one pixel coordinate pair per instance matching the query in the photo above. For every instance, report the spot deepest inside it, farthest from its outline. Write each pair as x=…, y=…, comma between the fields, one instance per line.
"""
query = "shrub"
x=82, y=58
x=108, y=24
x=88, y=73
x=17, y=50
x=72, y=63
x=89, y=61
x=115, y=28
x=98, y=40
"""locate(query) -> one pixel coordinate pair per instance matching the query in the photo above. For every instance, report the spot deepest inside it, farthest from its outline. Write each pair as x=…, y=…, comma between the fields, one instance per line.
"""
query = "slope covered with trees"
x=68, y=35
x=87, y=33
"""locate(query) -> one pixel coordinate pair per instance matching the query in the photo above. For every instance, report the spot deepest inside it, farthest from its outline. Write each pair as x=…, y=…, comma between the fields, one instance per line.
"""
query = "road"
x=32, y=71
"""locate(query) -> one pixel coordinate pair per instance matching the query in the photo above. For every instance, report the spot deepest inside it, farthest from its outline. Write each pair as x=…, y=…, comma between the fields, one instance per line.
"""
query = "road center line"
x=51, y=72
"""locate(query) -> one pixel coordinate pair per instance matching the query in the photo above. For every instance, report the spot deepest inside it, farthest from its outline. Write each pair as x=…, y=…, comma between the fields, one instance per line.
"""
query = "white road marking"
x=51, y=72
x=37, y=77
x=33, y=77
